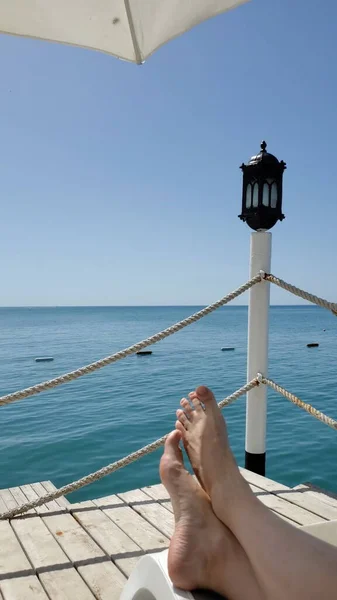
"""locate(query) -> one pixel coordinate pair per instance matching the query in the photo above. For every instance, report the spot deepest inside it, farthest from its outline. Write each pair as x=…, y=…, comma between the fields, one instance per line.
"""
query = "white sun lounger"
x=150, y=581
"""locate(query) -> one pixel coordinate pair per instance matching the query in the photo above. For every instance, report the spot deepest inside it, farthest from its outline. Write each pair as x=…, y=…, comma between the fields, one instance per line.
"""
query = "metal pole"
x=258, y=325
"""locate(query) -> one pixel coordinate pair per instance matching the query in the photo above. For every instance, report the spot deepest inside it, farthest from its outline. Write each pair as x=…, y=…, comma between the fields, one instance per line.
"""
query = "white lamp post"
x=261, y=209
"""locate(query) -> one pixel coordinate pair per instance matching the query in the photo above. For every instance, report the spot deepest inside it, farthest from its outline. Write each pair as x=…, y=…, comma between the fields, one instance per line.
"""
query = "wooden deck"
x=64, y=551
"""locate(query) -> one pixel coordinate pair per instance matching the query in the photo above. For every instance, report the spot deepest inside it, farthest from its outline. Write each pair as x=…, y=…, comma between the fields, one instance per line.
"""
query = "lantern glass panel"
x=265, y=195
x=249, y=196
x=255, y=195
x=273, y=195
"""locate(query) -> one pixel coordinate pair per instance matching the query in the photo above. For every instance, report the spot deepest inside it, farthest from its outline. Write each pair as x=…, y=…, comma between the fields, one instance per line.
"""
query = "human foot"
x=203, y=552
x=205, y=439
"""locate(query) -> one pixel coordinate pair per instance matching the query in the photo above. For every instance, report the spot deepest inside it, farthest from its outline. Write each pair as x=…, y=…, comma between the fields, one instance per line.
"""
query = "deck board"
x=50, y=487
x=311, y=491
x=285, y=508
x=8, y=500
x=104, y=580
x=34, y=491
x=292, y=495
x=39, y=544
x=134, y=496
x=74, y=540
x=109, y=501
x=145, y=535
x=157, y=516
x=65, y=584
x=22, y=588
x=157, y=492
x=20, y=498
x=86, y=550
x=106, y=533
x=12, y=558
x=126, y=565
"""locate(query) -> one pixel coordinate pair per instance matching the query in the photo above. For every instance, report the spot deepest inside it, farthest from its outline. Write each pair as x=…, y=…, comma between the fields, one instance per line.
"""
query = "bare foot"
x=203, y=552
x=205, y=439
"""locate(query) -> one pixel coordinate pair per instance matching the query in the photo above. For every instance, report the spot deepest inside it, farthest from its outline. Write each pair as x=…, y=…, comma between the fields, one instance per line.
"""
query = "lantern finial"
x=263, y=146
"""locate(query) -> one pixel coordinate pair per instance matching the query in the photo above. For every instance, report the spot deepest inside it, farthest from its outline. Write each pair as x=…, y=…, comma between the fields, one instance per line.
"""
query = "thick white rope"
x=119, y=464
x=295, y=400
x=301, y=293
x=103, y=362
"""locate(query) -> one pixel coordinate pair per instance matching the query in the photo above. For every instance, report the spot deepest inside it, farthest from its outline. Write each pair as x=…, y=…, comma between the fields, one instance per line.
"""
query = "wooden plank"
x=109, y=501
x=22, y=588
x=40, y=490
x=286, y=509
x=139, y=530
x=30, y=495
x=3, y=506
x=8, y=499
x=75, y=542
x=12, y=558
x=262, y=482
x=157, y=492
x=291, y=495
x=314, y=491
x=39, y=544
x=104, y=579
x=20, y=499
x=126, y=565
x=65, y=584
x=158, y=516
x=311, y=503
x=106, y=533
x=168, y=505
x=50, y=487
x=79, y=506
x=134, y=496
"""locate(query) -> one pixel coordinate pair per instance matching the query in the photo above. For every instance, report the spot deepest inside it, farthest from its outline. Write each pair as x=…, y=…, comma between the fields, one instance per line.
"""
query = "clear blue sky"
x=121, y=184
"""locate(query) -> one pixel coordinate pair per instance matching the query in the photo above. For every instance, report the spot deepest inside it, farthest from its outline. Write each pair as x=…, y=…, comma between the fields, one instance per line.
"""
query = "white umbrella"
x=128, y=29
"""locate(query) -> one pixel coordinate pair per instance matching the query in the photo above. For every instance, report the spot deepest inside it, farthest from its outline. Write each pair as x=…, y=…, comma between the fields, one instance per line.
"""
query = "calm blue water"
x=78, y=427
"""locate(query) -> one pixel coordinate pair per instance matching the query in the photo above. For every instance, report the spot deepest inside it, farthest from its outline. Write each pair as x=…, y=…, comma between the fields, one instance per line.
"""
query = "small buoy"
x=144, y=352
x=312, y=345
x=44, y=359
x=226, y=349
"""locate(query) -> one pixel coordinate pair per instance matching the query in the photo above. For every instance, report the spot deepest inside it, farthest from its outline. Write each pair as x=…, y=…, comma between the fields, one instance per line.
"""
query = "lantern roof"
x=265, y=157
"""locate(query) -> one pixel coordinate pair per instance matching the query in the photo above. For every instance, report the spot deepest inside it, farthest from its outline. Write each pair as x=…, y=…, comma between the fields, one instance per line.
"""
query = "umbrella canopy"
x=128, y=29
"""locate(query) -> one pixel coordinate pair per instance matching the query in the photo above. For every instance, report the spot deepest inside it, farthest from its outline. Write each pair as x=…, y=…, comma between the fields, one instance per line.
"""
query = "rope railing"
x=301, y=293
x=119, y=464
x=298, y=402
x=103, y=362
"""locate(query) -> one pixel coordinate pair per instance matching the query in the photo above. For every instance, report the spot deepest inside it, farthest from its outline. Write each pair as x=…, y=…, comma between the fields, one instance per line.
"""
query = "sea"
x=78, y=427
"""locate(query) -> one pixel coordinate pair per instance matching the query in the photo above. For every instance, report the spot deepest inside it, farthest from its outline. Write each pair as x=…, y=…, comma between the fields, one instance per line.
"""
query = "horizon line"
x=148, y=306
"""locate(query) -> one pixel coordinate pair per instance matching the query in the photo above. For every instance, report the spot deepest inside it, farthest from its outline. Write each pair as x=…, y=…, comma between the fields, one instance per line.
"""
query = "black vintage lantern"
x=262, y=190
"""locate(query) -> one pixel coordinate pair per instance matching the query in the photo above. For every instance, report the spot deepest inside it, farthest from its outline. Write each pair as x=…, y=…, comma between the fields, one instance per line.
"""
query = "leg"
x=287, y=562
x=203, y=552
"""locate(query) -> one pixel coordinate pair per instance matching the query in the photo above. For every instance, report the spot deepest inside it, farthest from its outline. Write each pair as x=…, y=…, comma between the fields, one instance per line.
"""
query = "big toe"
x=172, y=460
x=206, y=396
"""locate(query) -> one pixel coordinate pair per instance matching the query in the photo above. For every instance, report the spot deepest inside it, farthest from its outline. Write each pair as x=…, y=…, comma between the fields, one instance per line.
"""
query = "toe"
x=196, y=402
x=172, y=464
x=206, y=396
x=172, y=449
x=180, y=428
x=186, y=407
x=182, y=418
